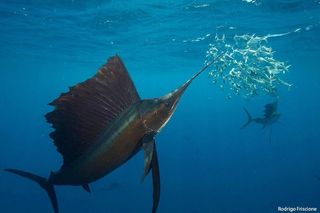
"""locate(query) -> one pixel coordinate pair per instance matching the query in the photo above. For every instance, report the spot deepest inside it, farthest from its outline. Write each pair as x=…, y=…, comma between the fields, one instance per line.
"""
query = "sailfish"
x=271, y=115
x=100, y=124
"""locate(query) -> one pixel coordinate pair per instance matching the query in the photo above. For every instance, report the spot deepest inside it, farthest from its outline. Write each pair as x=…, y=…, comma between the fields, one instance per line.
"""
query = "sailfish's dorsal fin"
x=81, y=114
x=269, y=109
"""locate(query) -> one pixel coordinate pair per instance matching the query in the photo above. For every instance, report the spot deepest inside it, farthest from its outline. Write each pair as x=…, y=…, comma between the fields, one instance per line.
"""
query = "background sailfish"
x=100, y=124
x=271, y=115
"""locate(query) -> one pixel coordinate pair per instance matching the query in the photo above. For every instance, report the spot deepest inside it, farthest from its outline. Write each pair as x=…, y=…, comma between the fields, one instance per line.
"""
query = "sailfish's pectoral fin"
x=148, y=147
x=86, y=187
x=151, y=163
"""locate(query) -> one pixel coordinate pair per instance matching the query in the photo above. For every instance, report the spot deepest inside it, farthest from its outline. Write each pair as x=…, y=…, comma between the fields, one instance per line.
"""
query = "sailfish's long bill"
x=171, y=99
x=100, y=124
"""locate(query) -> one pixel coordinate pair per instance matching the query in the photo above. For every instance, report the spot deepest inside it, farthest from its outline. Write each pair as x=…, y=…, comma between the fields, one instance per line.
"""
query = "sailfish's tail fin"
x=43, y=182
x=249, y=119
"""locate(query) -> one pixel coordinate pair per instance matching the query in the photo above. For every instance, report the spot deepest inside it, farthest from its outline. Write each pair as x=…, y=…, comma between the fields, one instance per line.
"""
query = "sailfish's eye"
x=167, y=104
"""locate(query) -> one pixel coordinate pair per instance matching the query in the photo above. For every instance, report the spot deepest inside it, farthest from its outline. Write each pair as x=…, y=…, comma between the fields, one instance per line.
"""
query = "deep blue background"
x=207, y=164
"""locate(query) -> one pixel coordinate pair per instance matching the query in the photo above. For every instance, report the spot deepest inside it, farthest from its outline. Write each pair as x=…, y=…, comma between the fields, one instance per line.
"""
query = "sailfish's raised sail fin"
x=81, y=114
x=269, y=109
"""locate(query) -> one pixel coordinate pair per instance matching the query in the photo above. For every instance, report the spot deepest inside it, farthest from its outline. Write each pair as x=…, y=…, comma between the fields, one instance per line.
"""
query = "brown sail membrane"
x=81, y=114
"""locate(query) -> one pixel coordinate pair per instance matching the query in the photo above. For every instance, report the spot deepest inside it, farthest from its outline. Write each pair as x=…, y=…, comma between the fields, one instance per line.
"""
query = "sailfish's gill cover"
x=81, y=114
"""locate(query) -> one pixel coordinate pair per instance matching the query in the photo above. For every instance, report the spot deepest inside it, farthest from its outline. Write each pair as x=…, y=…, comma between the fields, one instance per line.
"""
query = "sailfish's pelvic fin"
x=155, y=180
x=151, y=163
x=43, y=182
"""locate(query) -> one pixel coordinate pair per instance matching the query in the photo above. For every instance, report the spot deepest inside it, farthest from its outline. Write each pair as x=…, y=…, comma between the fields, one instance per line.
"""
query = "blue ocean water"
x=207, y=163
